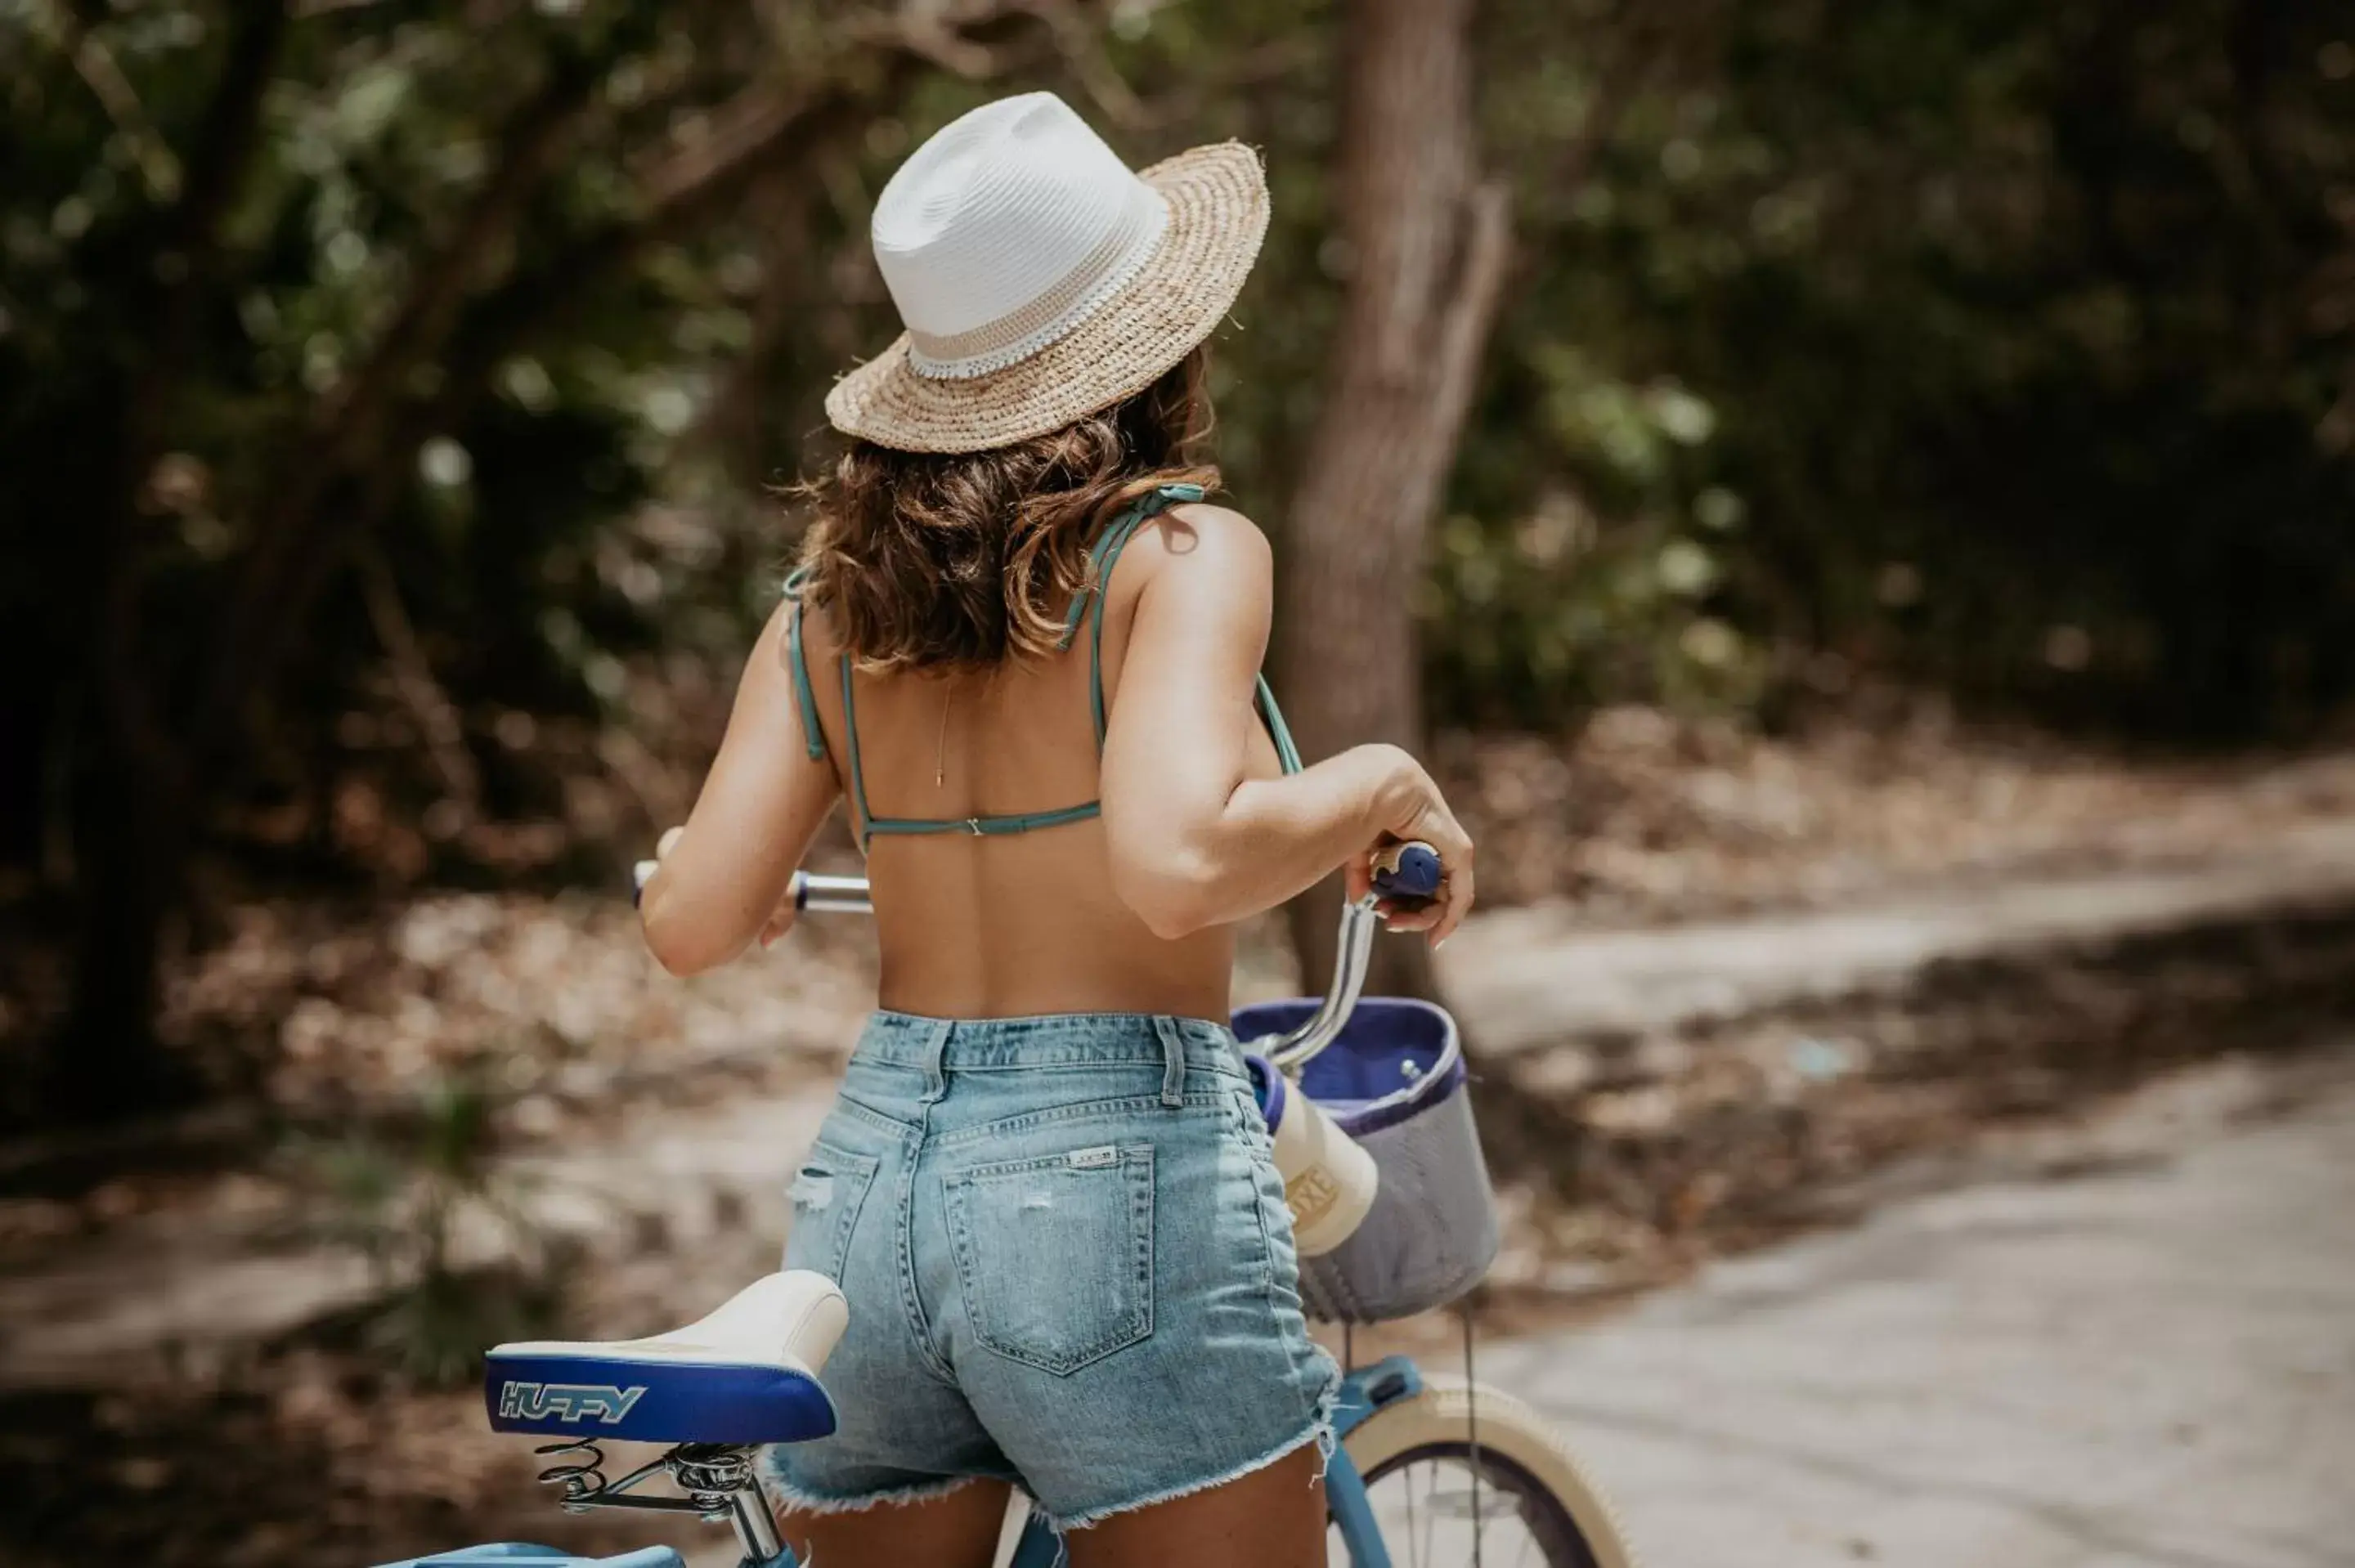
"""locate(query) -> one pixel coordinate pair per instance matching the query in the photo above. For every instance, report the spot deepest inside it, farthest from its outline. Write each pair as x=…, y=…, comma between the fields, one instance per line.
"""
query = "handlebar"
x=1407, y=873
x=831, y=895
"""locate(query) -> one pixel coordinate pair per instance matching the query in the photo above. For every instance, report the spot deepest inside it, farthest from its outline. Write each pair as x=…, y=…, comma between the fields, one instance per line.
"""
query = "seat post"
x=755, y=1523
x=722, y=1479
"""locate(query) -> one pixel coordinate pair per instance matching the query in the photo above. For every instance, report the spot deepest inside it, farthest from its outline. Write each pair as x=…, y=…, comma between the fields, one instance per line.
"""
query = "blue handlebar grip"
x=1408, y=872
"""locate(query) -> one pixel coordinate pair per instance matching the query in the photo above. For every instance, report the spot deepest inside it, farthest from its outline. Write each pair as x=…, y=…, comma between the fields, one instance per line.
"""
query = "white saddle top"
x=788, y=1320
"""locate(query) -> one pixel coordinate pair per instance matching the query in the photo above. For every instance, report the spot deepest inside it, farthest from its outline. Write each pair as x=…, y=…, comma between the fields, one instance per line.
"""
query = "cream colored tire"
x=1439, y=1422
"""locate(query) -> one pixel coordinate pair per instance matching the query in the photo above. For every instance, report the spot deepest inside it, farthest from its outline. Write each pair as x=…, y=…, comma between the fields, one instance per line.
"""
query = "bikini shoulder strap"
x=813, y=737
x=1089, y=605
x=1089, y=600
x=1100, y=561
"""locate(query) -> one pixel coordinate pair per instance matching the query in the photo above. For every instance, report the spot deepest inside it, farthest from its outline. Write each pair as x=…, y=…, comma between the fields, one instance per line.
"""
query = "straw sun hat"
x=1040, y=279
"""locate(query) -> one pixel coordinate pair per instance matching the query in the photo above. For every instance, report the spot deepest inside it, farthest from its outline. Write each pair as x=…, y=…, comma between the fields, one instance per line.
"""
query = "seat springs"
x=582, y=1473
x=709, y=1472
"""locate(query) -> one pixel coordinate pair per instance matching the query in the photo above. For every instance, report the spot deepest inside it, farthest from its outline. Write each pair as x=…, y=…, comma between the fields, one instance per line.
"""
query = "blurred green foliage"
x=458, y=1260
x=403, y=511
x=2003, y=344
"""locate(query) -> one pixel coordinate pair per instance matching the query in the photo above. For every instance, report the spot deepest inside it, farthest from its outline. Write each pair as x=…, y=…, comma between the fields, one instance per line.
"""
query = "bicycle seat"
x=746, y=1373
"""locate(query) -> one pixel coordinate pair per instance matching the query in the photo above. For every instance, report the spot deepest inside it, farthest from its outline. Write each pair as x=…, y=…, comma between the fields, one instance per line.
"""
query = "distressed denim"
x=1068, y=1263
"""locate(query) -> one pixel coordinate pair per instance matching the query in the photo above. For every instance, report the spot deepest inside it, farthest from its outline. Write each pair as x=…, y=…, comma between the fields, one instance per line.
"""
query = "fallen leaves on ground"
x=1643, y=817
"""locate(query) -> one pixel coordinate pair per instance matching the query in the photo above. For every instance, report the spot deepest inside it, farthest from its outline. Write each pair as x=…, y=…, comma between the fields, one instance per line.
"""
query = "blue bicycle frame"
x=1363, y=1392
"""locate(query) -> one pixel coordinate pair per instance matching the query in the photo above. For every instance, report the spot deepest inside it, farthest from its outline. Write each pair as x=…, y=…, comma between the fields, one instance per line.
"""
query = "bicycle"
x=748, y=1375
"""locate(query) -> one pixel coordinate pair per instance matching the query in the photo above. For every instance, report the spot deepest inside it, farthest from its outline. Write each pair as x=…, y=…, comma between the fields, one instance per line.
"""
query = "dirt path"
x=1525, y=977
x=696, y=1186
x=2150, y=1366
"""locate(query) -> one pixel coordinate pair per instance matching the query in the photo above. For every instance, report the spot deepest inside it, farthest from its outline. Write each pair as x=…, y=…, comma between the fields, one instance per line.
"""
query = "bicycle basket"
x=1395, y=1081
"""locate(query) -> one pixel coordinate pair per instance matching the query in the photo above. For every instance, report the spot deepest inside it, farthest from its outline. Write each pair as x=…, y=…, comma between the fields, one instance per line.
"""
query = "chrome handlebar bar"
x=1352, y=957
x=815, y=894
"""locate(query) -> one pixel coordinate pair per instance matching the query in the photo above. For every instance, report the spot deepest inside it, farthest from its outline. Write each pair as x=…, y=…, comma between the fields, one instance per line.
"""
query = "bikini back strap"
x=867, y=825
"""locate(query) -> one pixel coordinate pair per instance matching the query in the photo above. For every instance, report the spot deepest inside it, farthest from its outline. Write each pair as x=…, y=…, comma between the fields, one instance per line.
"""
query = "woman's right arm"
x=1194, y=841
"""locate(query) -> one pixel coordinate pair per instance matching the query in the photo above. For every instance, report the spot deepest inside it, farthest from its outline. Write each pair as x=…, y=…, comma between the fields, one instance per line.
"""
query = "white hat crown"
x=1007, y=228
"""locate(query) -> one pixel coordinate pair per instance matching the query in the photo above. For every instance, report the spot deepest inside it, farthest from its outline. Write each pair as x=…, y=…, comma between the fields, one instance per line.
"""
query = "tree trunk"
x=131, y=815
x=130, y=838
x=1426, y=244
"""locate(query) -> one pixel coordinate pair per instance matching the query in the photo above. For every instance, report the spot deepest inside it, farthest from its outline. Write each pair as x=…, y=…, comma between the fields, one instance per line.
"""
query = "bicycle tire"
x=1520, y=1452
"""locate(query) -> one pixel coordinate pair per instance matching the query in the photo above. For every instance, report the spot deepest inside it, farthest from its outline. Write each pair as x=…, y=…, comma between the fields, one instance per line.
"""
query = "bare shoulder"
x=1215, y=547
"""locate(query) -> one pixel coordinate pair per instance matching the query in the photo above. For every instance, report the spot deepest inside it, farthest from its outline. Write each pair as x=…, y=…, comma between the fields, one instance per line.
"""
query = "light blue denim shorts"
x=1069, y=1264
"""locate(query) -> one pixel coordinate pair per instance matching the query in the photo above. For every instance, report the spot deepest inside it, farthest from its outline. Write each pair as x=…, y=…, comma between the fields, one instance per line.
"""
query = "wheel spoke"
x=1430, y=1514
x=1435, y=1510
x=1410, y=1513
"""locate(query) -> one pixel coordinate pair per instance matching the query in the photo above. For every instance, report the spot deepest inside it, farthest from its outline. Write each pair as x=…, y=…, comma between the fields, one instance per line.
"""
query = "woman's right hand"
x=1408, y=806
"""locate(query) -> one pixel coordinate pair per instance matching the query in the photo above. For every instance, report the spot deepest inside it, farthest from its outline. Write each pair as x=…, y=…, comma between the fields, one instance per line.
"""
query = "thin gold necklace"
x=941, y=748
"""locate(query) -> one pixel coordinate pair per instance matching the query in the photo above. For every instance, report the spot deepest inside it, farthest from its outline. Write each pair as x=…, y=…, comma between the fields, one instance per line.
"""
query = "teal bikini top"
x=1087, y=607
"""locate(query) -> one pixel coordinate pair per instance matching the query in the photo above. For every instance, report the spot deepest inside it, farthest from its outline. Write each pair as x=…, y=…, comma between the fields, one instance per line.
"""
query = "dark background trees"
x=388, y=390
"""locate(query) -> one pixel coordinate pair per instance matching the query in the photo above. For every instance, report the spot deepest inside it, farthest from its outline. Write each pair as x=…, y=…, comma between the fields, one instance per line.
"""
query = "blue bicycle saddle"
x=747, y=1374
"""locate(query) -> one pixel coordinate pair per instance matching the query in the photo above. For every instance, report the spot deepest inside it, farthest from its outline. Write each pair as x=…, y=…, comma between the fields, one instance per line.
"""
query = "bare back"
x=1204, y=819
x=1018, y=924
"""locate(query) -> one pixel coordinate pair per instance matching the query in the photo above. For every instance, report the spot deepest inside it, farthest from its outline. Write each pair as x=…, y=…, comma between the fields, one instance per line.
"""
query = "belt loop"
x=936, y=1080
x=1173, y=1058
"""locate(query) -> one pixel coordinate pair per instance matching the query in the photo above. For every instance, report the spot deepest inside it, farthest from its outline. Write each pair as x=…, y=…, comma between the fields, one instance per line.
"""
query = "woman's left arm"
x=723, y=882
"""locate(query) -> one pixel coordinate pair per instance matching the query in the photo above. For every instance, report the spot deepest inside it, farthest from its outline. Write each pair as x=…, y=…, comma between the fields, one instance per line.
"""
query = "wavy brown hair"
x=934, y=560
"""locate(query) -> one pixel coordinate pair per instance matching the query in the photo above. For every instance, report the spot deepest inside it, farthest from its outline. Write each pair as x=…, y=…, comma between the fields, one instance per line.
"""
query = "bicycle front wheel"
x=1505, y=1493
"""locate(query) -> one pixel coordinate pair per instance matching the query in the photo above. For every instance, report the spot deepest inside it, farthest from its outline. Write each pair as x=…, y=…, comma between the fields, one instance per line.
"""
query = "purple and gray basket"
x=1394, y=1081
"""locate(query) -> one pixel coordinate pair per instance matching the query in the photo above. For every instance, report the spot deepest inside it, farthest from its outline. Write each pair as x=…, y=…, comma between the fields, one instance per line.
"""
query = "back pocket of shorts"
x=1055, y=1254
x=825, y=1194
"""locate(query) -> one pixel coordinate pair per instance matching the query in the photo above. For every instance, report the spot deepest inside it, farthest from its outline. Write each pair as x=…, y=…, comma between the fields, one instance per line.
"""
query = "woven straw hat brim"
x=1218, y=216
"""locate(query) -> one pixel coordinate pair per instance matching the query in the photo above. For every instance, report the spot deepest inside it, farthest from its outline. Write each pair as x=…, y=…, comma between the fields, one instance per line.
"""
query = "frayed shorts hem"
x=1319, y=1432
x=801, y=1500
